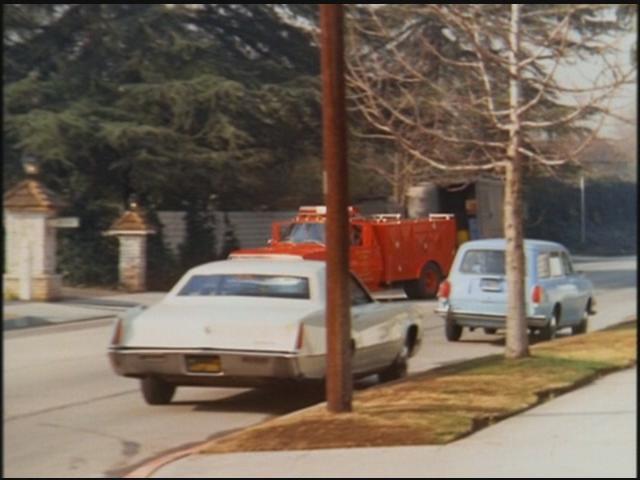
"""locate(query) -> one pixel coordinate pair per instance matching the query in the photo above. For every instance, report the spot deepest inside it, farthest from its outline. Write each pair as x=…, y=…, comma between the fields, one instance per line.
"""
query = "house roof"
x=32, y=196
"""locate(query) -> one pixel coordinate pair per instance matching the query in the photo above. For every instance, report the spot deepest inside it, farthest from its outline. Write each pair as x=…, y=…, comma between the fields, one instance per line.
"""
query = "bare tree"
x=462, y=89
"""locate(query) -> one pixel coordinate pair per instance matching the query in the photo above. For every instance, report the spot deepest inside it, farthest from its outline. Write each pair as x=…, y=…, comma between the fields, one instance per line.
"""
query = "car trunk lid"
x=257, y=324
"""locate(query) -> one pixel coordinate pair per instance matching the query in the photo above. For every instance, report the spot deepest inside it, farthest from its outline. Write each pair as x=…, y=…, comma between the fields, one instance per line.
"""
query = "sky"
x=624, y=102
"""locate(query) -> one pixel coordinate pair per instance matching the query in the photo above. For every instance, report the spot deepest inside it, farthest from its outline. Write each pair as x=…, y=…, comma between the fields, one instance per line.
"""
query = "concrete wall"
x=252, y=229
x=174, y=229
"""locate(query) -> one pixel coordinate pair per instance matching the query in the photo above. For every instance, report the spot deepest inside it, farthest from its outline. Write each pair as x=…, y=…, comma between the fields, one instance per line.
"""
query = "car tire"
x=583, y=325
x=549, y=331
x=490, y=331
x=426, y=286
x=452, y=330
x=156, y=391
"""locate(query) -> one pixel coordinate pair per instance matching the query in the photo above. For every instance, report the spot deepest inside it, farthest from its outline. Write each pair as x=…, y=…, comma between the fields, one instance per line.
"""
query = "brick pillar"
x=30, y=242
x=133, y=262
x=132, y=229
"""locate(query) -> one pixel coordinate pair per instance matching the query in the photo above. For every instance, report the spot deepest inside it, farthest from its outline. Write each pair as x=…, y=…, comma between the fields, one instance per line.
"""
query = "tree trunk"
x=517, y=341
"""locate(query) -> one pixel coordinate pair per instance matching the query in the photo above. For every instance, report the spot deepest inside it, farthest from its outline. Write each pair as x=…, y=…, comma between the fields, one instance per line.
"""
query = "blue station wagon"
x=475, y=293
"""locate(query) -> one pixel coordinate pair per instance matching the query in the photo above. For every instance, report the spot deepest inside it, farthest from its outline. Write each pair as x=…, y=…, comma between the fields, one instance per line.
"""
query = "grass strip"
x=448, y=403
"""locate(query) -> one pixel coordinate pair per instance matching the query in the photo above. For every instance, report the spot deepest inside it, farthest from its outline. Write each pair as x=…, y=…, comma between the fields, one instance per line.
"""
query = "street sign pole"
x=339, y=381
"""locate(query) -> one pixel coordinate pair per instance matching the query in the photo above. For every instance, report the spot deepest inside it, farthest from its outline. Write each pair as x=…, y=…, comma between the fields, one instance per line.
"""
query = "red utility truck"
x=386, y=250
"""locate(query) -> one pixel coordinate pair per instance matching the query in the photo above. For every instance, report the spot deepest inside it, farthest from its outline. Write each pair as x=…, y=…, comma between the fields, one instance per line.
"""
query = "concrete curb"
x=147, y=469
x=35, y=322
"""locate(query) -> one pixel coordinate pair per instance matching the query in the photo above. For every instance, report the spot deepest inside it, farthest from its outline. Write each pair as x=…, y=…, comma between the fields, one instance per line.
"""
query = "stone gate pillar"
x=30, y=242
x=132, y=229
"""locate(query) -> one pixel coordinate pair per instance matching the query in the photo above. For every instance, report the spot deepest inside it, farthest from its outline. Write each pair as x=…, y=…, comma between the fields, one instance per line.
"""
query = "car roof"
x=500, y=244
x=271, y=266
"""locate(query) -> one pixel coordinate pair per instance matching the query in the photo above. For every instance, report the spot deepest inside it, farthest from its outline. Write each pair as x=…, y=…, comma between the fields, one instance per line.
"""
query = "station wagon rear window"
x=483, y=262
x=247, y=285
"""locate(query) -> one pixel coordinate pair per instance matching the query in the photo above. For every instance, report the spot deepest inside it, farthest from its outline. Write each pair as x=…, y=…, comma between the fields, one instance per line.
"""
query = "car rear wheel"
x=490, y=331
x=156, y=391
x=549, y=331
x=452, y=330
x=398, y=369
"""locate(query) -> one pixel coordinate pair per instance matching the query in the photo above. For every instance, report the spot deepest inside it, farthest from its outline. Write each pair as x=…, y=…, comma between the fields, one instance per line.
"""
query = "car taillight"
x=300, y=337
x=117, y=333
x=536, y=294
x=444, y=290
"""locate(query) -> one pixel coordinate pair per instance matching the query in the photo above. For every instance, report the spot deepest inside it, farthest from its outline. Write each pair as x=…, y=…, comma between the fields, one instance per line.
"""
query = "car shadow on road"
x=274, y=400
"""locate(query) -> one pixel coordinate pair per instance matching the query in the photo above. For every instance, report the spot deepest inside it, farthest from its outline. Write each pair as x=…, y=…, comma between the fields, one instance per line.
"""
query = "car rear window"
x=483, y=262
x=247, y=285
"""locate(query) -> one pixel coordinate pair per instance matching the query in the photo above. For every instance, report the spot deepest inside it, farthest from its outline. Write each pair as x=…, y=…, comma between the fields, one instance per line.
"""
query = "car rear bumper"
x=236, y=368
x=479, y=320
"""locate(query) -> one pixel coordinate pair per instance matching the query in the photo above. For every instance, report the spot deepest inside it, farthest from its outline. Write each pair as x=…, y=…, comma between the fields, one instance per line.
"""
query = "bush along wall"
x=200, y=244
x=163, y=267
x=85, y=257
x=555, y=213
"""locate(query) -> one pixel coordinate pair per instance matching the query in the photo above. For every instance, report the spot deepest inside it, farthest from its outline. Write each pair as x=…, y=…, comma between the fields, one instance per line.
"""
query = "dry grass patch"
x=614, y=346
x=445, y=404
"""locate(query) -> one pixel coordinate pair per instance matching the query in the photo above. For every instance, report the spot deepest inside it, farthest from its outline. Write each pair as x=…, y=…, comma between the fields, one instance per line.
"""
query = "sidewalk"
x=588, y=433
x=79, y=304
x=76, y=304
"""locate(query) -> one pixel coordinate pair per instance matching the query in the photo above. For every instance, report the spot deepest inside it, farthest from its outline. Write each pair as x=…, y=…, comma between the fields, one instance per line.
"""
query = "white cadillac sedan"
x=251, y=322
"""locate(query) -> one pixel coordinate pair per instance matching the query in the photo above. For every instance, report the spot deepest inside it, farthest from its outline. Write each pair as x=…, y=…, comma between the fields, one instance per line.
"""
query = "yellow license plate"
x=201, y=364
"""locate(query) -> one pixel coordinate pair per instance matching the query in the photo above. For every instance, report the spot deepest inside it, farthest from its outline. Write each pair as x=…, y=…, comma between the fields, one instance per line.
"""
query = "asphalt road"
x=67, y=415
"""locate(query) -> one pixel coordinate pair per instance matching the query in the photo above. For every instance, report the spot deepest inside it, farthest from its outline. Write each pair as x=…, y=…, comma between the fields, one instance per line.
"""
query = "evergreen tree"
x=170, y=102
x=118, y=98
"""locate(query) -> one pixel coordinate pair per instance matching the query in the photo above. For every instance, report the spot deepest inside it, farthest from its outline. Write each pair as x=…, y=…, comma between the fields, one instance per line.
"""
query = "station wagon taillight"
x=444, y=290
x=537, y=294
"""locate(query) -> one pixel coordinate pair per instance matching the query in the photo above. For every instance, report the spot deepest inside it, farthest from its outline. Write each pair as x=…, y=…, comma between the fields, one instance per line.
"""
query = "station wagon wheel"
x=156, y=391
x=584, y=322
x=549, y=331
x=452, y=330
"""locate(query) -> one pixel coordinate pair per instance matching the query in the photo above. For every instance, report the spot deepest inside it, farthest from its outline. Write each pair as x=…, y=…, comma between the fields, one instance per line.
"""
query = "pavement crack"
x=68, y=405
x=129, y=448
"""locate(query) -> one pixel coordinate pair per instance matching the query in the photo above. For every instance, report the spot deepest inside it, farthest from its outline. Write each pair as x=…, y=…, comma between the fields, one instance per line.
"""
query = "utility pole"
x=339, y=383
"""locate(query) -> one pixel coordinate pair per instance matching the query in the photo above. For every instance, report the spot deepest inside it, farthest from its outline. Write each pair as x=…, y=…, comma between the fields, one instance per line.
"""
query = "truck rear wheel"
x=426, y=286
